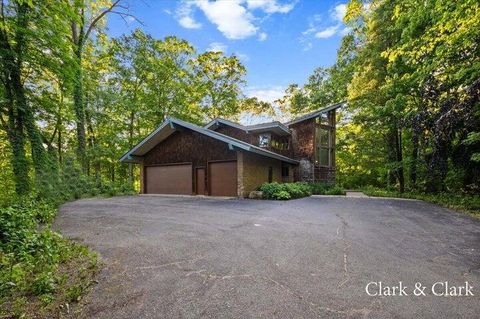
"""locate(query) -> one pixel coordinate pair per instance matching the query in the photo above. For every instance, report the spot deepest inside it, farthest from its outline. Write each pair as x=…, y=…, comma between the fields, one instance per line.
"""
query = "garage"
x=169, y=179
x=223, y=178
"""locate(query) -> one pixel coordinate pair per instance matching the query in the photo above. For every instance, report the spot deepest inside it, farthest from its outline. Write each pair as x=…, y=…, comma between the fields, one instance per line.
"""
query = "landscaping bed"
x=286, y=191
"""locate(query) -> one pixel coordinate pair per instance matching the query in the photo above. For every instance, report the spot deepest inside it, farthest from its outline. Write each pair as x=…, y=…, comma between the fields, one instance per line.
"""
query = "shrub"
x=282, y=195
x=280, y=191
x=326, y=189
x=269, y=189
x=335, y=190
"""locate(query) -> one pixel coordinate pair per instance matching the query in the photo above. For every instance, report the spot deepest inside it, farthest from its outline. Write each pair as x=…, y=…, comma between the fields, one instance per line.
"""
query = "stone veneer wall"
x=252, y=171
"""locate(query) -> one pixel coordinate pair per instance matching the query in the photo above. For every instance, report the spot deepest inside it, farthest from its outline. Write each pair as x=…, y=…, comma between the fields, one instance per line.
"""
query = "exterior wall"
x=142, y=180
x=188, y=146
x=303, y=140
x=252, y=171
x=252, y=138
x=303, y=147
x=235, y=133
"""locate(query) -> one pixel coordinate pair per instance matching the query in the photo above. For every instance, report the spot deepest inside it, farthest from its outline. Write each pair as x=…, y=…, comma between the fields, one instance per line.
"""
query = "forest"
x=73, y=100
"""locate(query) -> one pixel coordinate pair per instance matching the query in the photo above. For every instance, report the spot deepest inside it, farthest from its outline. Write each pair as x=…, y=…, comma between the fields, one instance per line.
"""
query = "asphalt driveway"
x=171, y=257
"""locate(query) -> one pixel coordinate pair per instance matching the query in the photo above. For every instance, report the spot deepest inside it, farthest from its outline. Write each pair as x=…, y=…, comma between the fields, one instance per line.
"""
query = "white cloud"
x=336, y=20
x=262, y=36
x=270, y=6
x=185, y=18
x=266, y=94
x=189, y=23
x=327, y=33
x=230, y=17
x=338, y=12
x=233, y=18
x=217, y=47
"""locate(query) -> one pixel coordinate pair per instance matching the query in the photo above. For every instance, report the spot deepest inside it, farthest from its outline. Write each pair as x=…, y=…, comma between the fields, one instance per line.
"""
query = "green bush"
x=280, y=191
x=469, y=203
x=269, y=189
x=326, y=189
x=282, y=195
x=298, y=190
x=335, y=190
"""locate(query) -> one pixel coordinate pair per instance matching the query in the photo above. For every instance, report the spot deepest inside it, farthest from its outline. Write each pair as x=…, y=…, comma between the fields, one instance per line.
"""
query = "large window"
x=324, y=143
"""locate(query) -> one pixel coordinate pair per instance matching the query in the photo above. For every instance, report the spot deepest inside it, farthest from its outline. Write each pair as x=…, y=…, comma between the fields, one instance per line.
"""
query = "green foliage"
x=281, y=195
x=285, y=191
x=33, y=258
x=326, y=189
x=463, y=202
x=411, y=76
x=288, y=191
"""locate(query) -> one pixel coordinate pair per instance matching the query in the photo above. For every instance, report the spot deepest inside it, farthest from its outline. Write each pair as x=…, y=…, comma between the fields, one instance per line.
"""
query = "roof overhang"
x=135, y=155
x=275, y=127
x=316, y=113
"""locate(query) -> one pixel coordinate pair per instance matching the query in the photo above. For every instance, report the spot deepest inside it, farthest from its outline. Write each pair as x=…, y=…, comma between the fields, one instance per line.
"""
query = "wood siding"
x=303, y=140
x=235, y=133
x=252, y=138
x=189, y=146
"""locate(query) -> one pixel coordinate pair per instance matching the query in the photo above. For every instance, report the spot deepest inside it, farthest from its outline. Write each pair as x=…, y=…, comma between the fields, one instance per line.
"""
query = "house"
x=225, y=158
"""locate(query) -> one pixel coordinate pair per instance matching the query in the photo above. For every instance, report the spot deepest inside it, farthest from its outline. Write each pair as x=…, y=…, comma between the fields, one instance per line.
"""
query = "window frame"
x=318, y=147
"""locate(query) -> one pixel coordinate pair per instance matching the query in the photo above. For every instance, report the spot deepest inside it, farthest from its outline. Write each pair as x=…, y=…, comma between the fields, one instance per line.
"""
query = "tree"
x=87, y=17
x=31, y=39
x=218, y=79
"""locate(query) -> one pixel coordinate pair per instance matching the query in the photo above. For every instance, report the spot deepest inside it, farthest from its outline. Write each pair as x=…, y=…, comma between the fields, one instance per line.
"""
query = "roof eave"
x=316, y=113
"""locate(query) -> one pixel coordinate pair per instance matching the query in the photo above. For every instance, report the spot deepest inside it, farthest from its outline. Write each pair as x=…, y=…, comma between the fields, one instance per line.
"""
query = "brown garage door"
x=169, y=179
x=223, y=178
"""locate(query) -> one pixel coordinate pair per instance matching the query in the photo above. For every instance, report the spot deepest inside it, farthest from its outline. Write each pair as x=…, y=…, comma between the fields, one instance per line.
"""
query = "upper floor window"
x=264, y=140
x=324, y=146
x=326, y=118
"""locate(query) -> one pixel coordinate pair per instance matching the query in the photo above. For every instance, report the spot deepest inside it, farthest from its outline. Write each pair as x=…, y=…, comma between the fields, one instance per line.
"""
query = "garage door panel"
x=169, y=179
x=223, y=178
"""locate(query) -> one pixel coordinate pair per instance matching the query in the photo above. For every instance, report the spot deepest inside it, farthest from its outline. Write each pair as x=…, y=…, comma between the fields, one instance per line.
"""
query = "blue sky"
x=279, y=41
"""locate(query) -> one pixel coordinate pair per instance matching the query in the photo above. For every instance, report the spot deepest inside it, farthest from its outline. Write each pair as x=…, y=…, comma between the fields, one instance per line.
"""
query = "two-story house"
x=225, y=158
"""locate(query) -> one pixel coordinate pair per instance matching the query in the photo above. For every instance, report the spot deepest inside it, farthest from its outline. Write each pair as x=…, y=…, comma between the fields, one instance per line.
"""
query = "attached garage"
x=182, y=158
x=222, y=177
x=169, y=179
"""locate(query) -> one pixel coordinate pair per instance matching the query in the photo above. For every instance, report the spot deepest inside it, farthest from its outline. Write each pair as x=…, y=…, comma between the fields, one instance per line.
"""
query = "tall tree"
x=89, y=15
x=31, y=39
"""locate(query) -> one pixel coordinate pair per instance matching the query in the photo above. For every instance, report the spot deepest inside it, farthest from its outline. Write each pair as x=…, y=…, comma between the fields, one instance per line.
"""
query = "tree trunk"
x=79, y=107
x=414, y=162
x=130, y=142
x=399, y=159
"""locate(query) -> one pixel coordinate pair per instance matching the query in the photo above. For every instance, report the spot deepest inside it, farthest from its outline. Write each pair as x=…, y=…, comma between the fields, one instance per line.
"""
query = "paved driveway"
x=168, y=257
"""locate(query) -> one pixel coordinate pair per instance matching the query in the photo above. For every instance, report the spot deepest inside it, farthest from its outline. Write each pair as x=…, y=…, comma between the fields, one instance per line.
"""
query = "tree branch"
x=100, y=16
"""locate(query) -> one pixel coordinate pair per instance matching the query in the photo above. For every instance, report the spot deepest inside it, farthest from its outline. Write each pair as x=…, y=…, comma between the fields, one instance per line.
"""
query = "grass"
x=465, y=203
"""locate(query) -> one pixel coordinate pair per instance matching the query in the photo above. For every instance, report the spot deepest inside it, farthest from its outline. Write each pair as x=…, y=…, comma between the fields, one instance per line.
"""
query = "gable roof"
x=170, y=125
x=316, y=113
x=276, y=126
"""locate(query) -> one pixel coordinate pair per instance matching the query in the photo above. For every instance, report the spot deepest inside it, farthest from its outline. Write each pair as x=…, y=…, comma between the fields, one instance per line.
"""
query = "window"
x=323, y=119
x=270, y=174
x=264, y=140
x=324, y=150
